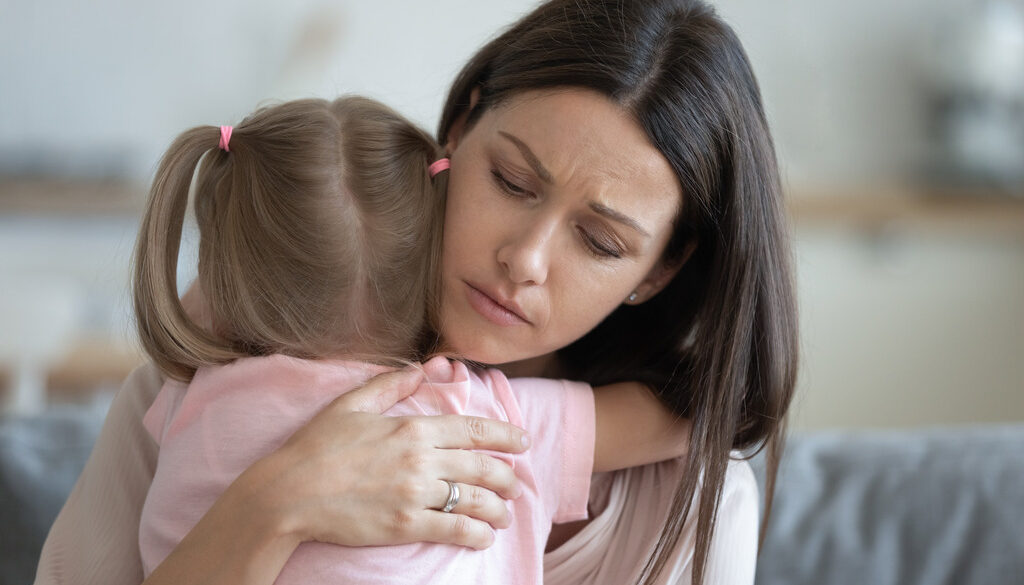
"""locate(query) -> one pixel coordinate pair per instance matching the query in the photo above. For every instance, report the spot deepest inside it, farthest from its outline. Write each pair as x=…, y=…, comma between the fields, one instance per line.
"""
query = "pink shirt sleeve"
x=559, y=416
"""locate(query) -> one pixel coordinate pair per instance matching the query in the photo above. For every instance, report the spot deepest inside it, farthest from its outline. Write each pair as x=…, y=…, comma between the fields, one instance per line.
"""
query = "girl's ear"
x=659, y=277
x=459, y=125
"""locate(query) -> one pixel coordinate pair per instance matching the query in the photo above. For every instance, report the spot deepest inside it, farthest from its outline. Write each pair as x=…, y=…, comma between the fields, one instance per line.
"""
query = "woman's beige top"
x=95, y=536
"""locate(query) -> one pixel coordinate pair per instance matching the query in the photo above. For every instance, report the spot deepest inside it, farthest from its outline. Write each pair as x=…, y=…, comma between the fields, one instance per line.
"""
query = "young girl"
x=319, y=248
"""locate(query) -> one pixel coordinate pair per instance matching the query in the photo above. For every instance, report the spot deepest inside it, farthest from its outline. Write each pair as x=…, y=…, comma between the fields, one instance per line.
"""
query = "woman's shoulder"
x=140, y=388
x=740, y=481
x=739, y=512
x=732, y=555
x=105, y=505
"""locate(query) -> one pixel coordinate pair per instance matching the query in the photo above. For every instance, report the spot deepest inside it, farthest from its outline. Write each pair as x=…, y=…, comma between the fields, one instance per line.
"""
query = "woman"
x=614, y=187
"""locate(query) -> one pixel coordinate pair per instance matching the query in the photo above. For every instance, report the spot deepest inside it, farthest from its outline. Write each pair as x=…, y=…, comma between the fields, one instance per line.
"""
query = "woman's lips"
x=491, y=309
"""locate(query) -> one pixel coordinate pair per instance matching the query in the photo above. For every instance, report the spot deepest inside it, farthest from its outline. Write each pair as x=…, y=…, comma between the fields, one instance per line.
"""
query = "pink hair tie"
x=225, y=137
x=438, y=166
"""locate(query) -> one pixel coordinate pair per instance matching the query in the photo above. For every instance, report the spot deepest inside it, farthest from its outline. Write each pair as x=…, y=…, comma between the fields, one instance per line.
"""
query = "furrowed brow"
x=619, y=217
x=531, y=158
x=545, y=175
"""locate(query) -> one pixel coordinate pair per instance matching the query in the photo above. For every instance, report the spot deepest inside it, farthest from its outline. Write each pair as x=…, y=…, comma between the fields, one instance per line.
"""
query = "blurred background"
x=899, y=126
x=900, y=131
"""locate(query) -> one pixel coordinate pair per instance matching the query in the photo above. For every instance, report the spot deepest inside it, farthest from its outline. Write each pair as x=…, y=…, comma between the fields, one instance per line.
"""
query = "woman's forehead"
x=584, y=139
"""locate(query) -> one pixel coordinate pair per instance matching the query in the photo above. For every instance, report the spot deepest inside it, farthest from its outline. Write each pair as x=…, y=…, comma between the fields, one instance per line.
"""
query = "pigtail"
x=175, y=342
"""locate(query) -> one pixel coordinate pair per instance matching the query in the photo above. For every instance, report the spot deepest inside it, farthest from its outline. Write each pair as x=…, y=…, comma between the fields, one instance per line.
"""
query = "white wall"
x=910, y=329
x=110, y=82
x=904, y=329
x=844, y=82
x=847, y=84
x=898, y=328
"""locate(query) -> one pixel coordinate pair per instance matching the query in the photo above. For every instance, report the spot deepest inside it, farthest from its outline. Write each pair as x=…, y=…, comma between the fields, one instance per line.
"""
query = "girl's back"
x=230, y=416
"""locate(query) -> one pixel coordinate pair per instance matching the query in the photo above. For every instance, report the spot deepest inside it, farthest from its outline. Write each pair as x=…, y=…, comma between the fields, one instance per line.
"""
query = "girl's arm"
x=634, y=428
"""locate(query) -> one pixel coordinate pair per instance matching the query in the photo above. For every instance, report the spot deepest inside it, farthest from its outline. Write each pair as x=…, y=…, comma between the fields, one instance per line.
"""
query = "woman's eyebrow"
x=543, y=173
x=531, y=158
x=619, y=217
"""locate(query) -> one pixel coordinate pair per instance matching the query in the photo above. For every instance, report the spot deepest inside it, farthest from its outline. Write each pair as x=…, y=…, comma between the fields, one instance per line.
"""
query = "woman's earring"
x=632, y=297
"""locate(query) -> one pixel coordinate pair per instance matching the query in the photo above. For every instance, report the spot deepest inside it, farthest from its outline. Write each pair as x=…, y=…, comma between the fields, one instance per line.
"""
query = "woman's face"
x=558, y=209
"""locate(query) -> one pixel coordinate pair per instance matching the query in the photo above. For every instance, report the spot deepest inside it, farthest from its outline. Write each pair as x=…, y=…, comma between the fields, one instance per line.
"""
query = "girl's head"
x=319, y=235
x=611, y=97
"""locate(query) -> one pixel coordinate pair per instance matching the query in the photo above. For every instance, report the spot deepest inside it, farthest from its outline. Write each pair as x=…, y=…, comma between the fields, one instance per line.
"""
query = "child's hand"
x=354, y=477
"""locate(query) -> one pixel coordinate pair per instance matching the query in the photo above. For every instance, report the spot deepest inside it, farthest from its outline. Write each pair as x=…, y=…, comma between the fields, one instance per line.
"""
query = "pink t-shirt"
x=212, y=429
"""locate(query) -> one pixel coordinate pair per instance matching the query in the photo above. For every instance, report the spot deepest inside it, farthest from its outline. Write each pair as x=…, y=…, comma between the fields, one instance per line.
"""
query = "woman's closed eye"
x=508, y=187
x=602, y=247
x=598, y=245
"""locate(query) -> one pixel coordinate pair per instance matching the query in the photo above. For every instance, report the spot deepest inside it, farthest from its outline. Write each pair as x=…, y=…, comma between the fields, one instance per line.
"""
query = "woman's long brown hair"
x=719, y=344
x=319, y=235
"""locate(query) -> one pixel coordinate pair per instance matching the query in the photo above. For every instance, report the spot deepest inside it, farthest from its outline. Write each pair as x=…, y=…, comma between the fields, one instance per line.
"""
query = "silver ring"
x=453, y=496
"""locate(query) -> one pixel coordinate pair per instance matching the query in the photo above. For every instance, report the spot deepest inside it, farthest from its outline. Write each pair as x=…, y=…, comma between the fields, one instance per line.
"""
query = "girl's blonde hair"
x=319, y=235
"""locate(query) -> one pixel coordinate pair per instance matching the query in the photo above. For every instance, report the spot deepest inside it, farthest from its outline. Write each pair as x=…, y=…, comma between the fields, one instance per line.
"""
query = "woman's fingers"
x=451, y=528
x=476, y=502
x=446, y=431
x=472, y=432
x=381, y=392
x=479, y=469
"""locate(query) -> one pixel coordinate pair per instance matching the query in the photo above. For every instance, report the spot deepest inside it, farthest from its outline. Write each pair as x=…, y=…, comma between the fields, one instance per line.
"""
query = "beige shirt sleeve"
x=95, y=538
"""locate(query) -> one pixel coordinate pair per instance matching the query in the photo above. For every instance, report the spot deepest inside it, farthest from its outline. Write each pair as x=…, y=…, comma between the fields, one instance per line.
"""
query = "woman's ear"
x=458, y=126
x=659, y=276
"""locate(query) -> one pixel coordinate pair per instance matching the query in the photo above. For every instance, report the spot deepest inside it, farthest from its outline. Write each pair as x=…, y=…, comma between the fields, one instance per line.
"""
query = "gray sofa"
x=926, y=507
x=40, y=459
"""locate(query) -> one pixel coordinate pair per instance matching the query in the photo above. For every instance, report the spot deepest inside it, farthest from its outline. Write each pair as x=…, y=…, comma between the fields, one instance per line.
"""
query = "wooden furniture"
x=920, y=209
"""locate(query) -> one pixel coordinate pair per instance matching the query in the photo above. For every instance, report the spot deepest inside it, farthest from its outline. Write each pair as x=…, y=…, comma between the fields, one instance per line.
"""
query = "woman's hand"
x=354, y=477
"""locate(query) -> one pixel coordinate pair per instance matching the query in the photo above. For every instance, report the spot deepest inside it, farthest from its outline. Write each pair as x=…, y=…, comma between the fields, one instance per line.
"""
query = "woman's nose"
x=525, y=256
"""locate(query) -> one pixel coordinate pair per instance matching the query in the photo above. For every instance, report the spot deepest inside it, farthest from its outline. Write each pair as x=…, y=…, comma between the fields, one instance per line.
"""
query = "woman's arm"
x=95, y=538
x=635, y=428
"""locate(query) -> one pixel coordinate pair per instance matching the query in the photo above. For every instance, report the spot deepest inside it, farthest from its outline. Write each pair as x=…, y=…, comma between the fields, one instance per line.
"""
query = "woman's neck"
x=544, y=366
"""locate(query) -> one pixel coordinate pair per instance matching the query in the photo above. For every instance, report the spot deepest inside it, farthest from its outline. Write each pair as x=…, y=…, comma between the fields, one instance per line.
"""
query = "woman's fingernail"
x=526, y=441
